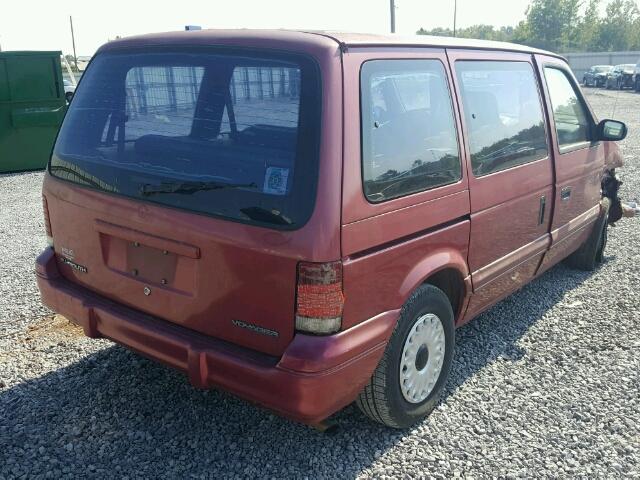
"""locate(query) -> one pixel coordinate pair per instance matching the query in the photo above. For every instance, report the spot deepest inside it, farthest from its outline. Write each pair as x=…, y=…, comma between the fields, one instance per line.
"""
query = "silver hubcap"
x=422, y=358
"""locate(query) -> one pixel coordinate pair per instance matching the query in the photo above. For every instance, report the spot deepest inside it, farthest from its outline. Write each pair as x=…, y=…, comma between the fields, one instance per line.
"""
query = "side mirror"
x=611, y=130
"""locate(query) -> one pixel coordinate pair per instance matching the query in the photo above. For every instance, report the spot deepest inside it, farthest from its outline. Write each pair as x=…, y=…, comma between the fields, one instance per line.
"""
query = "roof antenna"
x=615, y=103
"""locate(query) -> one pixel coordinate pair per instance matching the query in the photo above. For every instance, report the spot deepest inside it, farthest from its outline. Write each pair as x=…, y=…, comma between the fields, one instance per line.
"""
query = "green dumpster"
x=32, y=104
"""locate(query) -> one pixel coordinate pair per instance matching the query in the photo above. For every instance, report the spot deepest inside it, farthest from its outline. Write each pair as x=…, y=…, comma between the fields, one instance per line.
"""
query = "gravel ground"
x=544, y=384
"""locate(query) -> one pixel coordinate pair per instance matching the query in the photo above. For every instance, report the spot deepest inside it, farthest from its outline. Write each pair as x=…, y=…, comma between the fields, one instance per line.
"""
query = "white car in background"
x=69, y=90
x=82, y=62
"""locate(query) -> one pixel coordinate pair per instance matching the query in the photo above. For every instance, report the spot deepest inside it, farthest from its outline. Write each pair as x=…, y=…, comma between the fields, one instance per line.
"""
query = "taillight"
x=47, y=222
x=319, y=300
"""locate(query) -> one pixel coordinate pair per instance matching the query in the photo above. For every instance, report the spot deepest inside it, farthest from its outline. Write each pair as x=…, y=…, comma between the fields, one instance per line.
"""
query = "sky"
x=44, y=25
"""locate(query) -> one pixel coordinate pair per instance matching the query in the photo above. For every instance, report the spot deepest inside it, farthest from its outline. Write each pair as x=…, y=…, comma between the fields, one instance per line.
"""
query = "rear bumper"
x=315, y=377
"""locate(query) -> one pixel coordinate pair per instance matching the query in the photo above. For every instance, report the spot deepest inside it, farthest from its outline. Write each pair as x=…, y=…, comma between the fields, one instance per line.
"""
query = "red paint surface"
x=315, y=377
x=384, y=279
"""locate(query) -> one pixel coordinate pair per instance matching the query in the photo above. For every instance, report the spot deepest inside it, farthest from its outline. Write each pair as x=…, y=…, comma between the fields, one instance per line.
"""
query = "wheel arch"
x=446, y=270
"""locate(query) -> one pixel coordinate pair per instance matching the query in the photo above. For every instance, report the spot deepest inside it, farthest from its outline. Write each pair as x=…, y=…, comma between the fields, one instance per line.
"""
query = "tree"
x=617, y=27
x=484, y=32
x=551, y=24
x=565, y=26
x=439, y=31
x=634, y=41
x=589, y=27
x=569, y=37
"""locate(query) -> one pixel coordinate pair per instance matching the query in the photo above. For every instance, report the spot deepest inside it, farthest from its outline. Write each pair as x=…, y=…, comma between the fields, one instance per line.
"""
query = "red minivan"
x=303, y=218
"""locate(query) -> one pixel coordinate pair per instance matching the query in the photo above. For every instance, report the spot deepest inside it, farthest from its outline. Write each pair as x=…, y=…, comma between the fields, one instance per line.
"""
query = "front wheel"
x=408, y=381
x=591, y=252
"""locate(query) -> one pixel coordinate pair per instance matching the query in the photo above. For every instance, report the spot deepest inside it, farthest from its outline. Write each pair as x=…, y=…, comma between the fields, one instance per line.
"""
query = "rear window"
x=229, y=134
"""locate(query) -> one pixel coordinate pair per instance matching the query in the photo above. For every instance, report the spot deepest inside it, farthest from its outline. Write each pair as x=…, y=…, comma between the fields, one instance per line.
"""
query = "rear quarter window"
x=409, y=138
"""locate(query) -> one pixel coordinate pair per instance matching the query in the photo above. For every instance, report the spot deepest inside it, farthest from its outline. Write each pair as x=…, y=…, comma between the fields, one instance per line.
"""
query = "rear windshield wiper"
x=267, y=216
x=189, y=187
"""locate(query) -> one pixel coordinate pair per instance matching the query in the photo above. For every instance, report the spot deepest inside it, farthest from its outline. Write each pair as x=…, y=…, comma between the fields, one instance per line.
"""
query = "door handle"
x=543, y=206
x=565, y=193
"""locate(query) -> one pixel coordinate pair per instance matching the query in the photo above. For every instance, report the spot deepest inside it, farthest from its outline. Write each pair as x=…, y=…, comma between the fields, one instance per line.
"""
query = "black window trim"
x=453, y=116
x=313, y=63
x=541, y=99
x=583, y=103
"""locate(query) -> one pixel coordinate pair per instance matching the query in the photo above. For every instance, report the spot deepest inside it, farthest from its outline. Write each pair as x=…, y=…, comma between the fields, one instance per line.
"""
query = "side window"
x=409, y=140
x=502, y=113
x=573, y=124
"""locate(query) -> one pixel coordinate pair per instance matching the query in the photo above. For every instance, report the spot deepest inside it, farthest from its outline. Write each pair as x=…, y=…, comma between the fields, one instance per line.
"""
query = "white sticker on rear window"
x=275, y=180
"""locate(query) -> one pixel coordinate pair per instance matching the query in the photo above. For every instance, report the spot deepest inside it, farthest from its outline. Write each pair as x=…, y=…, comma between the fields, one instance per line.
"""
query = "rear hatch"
x=180, y=179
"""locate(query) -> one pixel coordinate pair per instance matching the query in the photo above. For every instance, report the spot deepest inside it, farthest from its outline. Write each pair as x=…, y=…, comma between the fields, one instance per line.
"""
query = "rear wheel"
x=408, y=381
x=591, y=252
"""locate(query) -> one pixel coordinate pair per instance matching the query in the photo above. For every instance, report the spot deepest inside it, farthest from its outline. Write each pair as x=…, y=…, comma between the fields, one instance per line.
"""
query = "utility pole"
x=73, y=41
x=392, y=5
x=455, y=15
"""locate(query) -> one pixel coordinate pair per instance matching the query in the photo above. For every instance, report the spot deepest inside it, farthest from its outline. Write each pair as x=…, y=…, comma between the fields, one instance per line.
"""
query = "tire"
x=603, y=243
x=591, y=253
x=68, y=96
x=584, y=82
x=383, y=399
x=637, y=86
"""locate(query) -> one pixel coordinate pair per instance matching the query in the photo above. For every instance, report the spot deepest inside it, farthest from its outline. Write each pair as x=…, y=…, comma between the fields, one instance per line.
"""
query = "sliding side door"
x=511, y=174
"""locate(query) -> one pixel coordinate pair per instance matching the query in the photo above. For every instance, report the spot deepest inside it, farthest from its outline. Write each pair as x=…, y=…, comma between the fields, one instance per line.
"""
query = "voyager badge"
x=255, y=328
x=74, y=265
